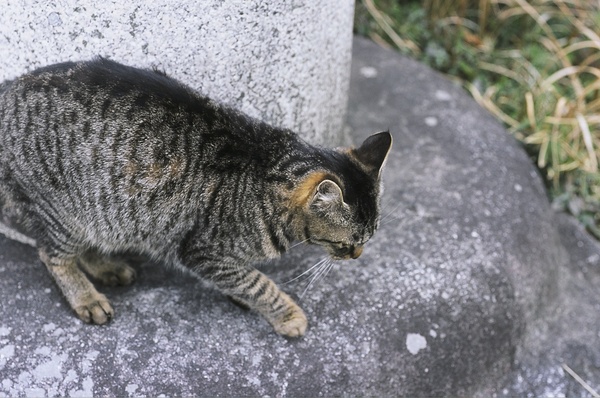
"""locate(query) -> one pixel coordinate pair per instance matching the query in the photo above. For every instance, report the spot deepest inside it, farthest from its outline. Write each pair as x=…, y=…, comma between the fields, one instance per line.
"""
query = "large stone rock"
x=472, y=250
x=563, y=340
x=449, y=298
x=286, y=62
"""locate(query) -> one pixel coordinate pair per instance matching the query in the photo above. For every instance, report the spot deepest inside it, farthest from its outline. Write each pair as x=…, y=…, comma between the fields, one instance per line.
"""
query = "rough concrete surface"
x=286, y=62
x=463, y=291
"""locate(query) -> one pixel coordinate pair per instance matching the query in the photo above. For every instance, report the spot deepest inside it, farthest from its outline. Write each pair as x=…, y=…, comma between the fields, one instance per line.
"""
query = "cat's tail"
x=13, y=234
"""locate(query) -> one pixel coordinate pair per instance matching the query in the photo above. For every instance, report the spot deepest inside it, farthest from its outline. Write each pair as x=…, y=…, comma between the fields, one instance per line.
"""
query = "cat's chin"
x=337, y=258
x=344, y=257
x=353, y=254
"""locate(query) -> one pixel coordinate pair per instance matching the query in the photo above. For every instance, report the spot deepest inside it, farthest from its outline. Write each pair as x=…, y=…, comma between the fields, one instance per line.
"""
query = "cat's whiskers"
x=319, y=274
x=308, y=271
x=299, y=243
x=390, y=216
x=389, y=220
x=390, y=213
x=384, y=206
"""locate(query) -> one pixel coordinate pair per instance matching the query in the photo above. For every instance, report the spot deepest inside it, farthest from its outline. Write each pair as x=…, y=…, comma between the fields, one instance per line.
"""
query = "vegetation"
x=534, y=64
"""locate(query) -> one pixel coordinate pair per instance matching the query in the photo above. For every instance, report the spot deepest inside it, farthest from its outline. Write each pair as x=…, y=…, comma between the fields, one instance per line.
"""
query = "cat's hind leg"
x=108, y=270
x=90, y=306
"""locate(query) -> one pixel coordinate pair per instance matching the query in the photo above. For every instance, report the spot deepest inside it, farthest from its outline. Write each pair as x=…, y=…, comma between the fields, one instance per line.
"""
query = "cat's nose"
x=356, y=252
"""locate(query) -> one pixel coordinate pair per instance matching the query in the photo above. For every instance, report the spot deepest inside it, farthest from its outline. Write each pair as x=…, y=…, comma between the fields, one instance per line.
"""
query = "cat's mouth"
x=339, y=250
x=347, y=253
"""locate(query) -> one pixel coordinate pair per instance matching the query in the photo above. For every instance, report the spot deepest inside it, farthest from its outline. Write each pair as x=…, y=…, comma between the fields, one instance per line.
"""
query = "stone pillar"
x=285, y=62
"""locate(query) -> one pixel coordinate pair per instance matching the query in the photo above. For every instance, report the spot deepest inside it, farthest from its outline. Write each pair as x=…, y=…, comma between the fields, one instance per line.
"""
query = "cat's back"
x=4, y=86
x=82, y=116
x=104, y=144
x=102, y=101
x=101, y=75
x=112, y=146
x=98, y=85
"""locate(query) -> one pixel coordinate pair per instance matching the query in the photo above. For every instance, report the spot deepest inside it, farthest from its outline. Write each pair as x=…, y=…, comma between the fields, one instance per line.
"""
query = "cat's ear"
x=374, y=151
x=328, y=194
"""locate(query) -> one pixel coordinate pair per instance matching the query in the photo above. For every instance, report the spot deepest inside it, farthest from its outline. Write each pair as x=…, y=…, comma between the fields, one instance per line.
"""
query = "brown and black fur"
x=98, y=158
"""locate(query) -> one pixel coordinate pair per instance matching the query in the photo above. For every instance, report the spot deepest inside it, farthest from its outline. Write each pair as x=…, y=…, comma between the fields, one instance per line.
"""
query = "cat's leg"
x=90, y=306
x=108, y=270
x=252, y=288
x=255, y=290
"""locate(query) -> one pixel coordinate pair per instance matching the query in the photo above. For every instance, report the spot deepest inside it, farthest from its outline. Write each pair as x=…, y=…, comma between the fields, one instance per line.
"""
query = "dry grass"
x=535, y=65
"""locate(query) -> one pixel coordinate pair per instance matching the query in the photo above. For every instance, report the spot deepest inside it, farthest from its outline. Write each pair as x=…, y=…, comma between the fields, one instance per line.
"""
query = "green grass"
x=534, y=64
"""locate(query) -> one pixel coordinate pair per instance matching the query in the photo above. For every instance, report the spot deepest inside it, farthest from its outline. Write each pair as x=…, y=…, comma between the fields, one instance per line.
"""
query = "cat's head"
x=340, y=205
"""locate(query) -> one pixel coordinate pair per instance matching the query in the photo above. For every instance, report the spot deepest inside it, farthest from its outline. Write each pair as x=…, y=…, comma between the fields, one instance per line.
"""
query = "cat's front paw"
x=293, y=324
x=96, y=309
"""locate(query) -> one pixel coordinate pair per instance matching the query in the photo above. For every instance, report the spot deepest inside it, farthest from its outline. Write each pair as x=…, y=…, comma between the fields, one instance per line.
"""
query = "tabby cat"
x=98, y=158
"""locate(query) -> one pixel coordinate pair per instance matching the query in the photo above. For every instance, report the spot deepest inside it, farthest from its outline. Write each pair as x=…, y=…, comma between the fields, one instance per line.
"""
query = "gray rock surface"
x=466, y=289
x=286, y=62
x=566, y=332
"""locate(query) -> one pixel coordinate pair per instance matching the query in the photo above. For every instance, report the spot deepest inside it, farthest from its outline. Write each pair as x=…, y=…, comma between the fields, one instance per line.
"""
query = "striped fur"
x=98, y=158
